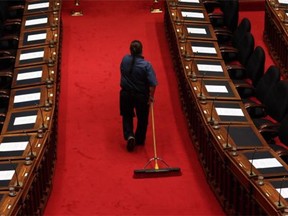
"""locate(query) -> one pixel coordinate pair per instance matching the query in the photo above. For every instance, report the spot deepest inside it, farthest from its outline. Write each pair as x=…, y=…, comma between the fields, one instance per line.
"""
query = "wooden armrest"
x=16, y=7
x=244, y=85
x=9, y=37
x=236, y=71
x=256, y=110
x=216, y=19
x=270, y=127
x=4, y=53
x=269, y=133
x=6, y=74
x=229, y=53
x=245, y=90
x=223, y=37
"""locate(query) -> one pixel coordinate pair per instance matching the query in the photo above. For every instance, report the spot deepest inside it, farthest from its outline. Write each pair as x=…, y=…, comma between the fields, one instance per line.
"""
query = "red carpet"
x=94, y=172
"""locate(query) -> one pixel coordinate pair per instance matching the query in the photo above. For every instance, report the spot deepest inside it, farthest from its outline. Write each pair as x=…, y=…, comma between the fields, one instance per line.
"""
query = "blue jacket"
x=138, y=78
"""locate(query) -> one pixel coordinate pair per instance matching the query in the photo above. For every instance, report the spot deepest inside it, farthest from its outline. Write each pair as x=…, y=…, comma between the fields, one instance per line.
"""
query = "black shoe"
x=130, y=144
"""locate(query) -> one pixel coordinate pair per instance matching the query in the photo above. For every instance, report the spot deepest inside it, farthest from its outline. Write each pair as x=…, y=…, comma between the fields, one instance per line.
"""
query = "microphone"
x=251, y=173
x=52, y=59
x=32, y=154
x=49, y=80
x=201, y=96
x=234, y=151
x=18, y=183
x=173, y=3
x=227, y=145
x=43, y=127
x=48, y=102
x=182, y=36
x=279, y=204
x=191, y=74
x=53, y=25
x=55, y=7
x=211, y=119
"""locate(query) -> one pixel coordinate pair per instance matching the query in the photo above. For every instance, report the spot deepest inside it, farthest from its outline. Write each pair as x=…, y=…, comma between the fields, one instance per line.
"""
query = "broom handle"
x=154, y=137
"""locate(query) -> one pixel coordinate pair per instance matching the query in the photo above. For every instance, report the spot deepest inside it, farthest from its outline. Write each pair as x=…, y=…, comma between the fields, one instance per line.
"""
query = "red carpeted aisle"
x=94, y=173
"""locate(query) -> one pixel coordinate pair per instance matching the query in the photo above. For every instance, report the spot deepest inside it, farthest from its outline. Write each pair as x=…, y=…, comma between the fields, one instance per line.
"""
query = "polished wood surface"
x=276, y=33
x=28, y=140
x=233, y=153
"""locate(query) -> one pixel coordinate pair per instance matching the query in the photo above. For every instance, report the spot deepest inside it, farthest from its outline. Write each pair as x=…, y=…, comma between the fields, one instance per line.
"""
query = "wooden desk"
x=214, y=89
x=32, y=120
x=20, y=146
x=16, y=174
x=269, y=195
x=217, y=113
x=209, y=68
x=33, y=7
x=189, y=15
x=32, y=97
x=224, y=149
x=186, y=3
x=40, y=21
x=36, y=56
x=191, y=31
x=238, y=136
x=39, y=37
x=261, y=162
x=9, y=204
x=28, y=141
x=200, y=49
x=34, y=76
x=276, y=33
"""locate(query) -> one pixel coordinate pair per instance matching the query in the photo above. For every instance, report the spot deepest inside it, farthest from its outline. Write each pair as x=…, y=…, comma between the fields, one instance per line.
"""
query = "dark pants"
x=130, y=102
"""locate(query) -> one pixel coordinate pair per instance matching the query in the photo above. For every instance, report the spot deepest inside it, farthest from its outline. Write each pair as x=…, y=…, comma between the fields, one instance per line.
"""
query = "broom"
x=157, y=171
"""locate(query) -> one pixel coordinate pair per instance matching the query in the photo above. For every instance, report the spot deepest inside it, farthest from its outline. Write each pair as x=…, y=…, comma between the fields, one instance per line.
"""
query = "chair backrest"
x=277, y=101
x=246, y=48
x=231, y=13
x=255, y=65
x=266, y=82
x=243, y=27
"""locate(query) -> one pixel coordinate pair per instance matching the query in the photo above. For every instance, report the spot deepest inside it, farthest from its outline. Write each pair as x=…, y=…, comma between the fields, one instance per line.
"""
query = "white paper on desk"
x=197, y=49
x=283, y=1
x=25, y=120
x=35, y=37
x=263, y=163
x=284, y=192
x=196, y=30
x=36, y=21
x=32, y=55
x=38, y=6
x=29, y=75
x=13, y=146
x=189, y=1
x=6, y=174
x=208, y=67
x=216, y=88
x=27, y=97
x=192, y=14
x=229, y=111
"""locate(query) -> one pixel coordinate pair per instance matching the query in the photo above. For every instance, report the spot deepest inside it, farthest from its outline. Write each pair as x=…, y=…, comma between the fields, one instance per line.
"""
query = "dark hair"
x=136, y=48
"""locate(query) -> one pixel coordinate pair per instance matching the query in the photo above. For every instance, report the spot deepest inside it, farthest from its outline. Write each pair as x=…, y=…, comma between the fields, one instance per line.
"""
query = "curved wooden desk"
x=238, y=163
x=28, y=139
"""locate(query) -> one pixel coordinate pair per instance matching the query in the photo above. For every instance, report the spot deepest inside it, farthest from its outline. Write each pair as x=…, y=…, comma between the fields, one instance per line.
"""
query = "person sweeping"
x=138, y=84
